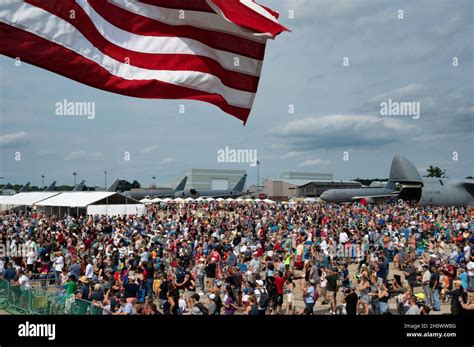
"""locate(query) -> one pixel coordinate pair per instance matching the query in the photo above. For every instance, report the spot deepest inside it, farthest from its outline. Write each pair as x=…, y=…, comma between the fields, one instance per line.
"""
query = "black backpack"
x=202, y=308
x=264, y=299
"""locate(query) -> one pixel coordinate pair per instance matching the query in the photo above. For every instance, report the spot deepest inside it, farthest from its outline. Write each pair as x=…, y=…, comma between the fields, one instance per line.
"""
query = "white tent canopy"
x=156, y=200
x=145, y=201
x=268, y=201
x=114, y=210
x=84, y=199
x=26, y=198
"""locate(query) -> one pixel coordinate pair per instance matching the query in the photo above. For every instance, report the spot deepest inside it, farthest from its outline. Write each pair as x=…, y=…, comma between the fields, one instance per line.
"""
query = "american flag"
x=207, y=50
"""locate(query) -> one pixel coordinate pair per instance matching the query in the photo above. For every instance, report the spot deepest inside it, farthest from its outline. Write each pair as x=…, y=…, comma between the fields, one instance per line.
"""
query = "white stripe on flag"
x=203, y=20
x=169, y=45
x=259, y=9
x=54, y=29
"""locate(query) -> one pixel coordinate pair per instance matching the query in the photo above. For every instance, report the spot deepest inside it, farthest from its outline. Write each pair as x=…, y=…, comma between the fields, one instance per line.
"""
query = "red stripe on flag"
x=190, y=5
x=172, y=62
x=141, y=25
x=245, y=17
x=53, y=57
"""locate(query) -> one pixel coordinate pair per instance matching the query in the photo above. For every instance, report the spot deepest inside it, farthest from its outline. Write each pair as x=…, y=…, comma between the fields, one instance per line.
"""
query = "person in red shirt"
x=60, y=237
x=279, y=283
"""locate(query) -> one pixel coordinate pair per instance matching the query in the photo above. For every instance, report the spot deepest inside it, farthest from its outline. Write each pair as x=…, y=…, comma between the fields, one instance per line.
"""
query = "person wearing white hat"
x=262, y=297
x=212, y=306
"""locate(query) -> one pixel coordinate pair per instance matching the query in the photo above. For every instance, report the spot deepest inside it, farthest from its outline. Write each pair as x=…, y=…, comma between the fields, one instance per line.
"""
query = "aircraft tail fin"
x=24, y=188
x=51, y=187
x=79, y=187
x=7, y=186
x=181, y=184
x=402, y=170
x=239, y=186
x=113, y=186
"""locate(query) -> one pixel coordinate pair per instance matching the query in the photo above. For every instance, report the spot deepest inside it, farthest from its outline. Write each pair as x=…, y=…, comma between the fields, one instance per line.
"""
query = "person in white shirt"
x=324, y=245
x=30, y=259
x=24, y=281
x=414, y=309
x=470, y=276
x=322, y=285
x=425, y=282
x=343, y=238
x=58, y=262
x=467, y=252
x=89, y=270
x=144, y=257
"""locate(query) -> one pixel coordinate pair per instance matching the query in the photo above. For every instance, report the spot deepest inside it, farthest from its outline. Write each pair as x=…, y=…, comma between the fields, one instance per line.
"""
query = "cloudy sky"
x=336, y=107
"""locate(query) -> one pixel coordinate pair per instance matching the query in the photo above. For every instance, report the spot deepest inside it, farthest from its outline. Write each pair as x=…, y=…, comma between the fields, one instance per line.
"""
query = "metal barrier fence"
x=44, y=300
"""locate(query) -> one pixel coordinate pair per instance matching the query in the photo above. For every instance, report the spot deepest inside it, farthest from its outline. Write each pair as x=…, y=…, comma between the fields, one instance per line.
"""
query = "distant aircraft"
x=156, y=193
x=236, y=191
x=113, y=186
x=51, y=187
x=406, y=183
x=6, y=190
x=24, y=188
x=80, y=186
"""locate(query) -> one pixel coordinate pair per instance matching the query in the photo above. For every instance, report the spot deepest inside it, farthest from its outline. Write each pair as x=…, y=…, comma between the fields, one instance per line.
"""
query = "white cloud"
x=149, y=149
x=292, y=154
x=167, y=160
x=346, y=131
x=13, y=139
x=410, y=91
x=83, y=155
x=314, y=162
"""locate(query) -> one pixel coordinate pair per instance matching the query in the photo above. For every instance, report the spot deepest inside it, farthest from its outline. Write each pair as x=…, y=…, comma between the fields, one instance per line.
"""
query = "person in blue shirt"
x=345, y=277
x=463, y=278
x=9, y=273
x=309, y=297
x=232, y=260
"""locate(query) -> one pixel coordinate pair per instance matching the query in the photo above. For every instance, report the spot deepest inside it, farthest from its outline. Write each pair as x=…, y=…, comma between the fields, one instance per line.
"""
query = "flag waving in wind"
x=207, y=50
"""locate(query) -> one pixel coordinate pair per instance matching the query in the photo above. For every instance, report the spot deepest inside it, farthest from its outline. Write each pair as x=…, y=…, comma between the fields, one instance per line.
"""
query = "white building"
x=212, y=179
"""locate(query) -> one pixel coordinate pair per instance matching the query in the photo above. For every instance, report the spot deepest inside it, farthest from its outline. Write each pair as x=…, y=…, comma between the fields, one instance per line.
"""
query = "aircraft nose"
x=324, y=195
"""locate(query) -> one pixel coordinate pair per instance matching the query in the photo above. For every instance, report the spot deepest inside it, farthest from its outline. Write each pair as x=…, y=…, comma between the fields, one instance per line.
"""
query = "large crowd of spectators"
x=256, y=259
